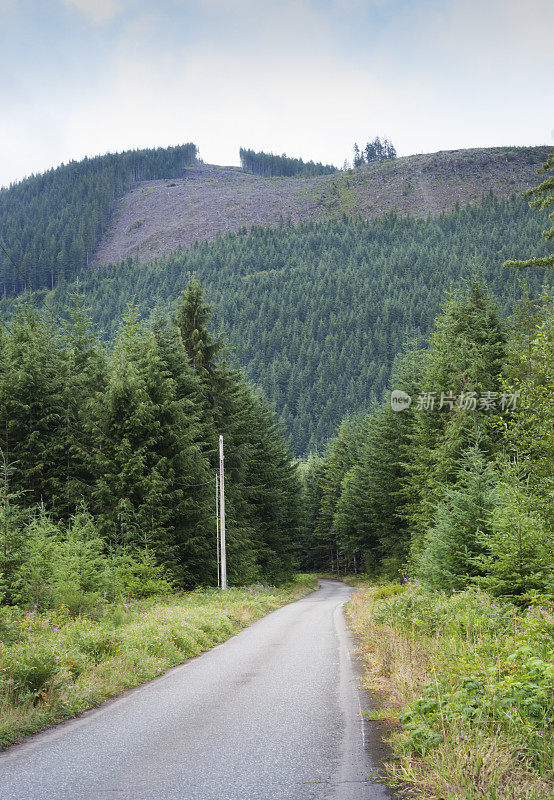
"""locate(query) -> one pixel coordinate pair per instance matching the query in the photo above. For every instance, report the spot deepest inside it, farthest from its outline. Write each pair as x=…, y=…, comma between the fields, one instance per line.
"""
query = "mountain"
x=325, y=278
x=157, y=217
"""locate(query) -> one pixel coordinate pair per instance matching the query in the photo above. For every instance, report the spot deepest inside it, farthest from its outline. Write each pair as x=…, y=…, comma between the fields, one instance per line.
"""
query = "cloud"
x=307, y=77
x=290, y=97
x=99, y=11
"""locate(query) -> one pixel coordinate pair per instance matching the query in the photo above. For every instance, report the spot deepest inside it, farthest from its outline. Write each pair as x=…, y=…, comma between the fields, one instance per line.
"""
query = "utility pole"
x=217, y=525
x=222, y=516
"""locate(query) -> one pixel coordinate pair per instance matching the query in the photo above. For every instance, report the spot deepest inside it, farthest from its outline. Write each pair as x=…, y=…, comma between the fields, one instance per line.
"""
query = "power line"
x=18, y=270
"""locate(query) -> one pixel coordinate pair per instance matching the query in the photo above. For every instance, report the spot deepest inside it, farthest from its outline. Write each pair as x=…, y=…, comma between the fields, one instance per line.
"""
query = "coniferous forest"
x=52, y=222
x=109, y=456
x=276, y=400
x=272, y=166
x=115, y=388
x=393, y=420
x=376, y=150
x=317, y=313
x=454, y=486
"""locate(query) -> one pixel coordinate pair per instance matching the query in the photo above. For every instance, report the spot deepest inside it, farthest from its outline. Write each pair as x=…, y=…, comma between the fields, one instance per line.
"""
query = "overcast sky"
x=305, y=77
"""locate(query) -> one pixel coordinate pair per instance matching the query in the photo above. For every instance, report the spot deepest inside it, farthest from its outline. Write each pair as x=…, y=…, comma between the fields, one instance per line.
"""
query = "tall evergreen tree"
x=153, y=486
x=85, y=377
x=466, y=356
x=343, y=453
x=32, y=408
x=262, y=489
x=369, y=515
x=451, y=556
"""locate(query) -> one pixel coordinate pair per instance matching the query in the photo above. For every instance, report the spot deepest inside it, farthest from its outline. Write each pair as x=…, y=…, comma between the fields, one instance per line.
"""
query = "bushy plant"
x=29, y=674
x=450, y=558
x=139, y=575
x=518, y=557
x=10, y=631
x=35, y=579
x=491, y=668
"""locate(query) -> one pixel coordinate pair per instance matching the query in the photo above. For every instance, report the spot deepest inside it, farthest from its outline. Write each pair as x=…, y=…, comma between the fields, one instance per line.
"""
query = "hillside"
x=157, y=217
x=316, y=313
x=317, y=282
x=50, y=224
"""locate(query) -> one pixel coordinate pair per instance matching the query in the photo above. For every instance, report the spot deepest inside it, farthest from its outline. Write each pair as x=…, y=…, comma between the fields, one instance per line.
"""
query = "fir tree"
x=517, y=558
x=85, y=377
x=464, y=362
x=450, y=559
x=153, y=486
x=32, y=409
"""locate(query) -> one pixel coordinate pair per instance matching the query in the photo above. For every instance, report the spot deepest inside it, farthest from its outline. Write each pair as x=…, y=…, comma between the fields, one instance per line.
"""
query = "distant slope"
x=50, y=224
x=316, y=313
x=158, y=217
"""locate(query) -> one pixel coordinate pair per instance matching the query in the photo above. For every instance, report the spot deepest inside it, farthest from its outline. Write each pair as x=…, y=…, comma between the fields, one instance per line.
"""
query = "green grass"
x=53, y=666
x=470, y=680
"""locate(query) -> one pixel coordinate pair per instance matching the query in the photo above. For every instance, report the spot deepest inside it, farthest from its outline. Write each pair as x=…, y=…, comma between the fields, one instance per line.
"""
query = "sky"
x=305, y=77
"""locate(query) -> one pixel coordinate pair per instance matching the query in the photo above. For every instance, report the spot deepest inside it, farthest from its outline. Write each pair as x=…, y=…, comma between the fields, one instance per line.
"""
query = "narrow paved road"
x=271, y=714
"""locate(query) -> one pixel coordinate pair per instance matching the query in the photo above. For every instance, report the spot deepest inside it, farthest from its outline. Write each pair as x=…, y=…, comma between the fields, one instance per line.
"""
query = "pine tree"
x=85, y=376
x=342, y=454
x=311, y=473
x=450, y=559
x=272, y=488
x=517, y=558
x=358, y=156
x=153, y=489
x=32, y=409
x=368, y=520
x=465, y=361
x=192, y=318
x=262, y=489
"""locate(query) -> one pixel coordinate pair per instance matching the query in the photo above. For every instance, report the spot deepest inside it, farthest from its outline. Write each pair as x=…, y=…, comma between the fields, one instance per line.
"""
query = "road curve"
x=271, y=714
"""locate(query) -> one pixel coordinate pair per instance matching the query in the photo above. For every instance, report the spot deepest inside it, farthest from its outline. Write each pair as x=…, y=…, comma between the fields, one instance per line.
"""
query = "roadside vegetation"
x=54, y=665
x=470, y=681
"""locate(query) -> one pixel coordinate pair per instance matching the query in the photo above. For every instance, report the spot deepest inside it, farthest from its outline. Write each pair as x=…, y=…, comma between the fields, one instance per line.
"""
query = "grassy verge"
x=470, y=682
x=53, y=667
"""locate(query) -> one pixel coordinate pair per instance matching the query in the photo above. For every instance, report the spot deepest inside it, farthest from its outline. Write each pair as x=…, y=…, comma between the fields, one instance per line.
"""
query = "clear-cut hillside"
x=158, y=217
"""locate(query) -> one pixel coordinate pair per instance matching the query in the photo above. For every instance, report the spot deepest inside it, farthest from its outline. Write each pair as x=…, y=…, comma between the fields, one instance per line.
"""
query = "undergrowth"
x=470, y=680
x=54, y=666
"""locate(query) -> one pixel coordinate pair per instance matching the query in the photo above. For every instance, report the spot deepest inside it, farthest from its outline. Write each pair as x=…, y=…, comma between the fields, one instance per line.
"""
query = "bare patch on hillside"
x=158, y=217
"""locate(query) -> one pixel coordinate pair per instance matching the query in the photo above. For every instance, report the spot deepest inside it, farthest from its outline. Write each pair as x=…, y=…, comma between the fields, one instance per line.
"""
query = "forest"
x=374, y=151
x=52, y=222
x=108, y=460
x=272, y=166
x=317, y=313
x=445, y=489
x=454, y=484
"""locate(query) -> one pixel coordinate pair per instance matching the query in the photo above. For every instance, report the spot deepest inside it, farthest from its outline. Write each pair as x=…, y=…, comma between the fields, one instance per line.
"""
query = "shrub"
x=492, y=669
x=28, y=672
x=10, y=631
x=139, y=576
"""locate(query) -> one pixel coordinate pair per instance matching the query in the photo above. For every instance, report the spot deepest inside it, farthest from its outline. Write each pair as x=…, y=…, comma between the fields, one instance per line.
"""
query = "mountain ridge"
x=157, y=217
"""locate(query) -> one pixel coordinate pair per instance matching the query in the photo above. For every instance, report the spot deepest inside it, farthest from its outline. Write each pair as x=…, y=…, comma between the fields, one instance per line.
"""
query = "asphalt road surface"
x=274, y=713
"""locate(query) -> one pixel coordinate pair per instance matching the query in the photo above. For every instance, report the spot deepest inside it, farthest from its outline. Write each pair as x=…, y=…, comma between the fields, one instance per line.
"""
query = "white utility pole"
x=217, y=525
x=222, y=516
